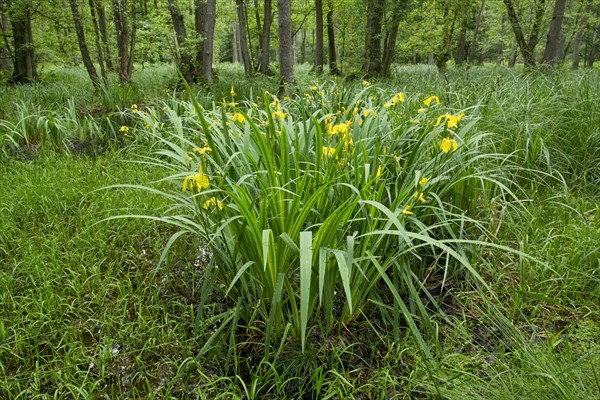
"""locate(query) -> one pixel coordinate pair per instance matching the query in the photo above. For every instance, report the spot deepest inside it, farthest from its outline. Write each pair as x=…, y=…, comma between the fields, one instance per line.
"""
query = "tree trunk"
x=389, y=44
x=333, y=68
x=579, y=35
x=97, y=41
x=209, y=35
x=243, y=37
x=265, y=39
x=85, y=54
x=303, y=47
x=443, y=52
x=235, y=51
x=132, y=40
x=104, y=33
x=461, y=49
x=372, y=64
x=122, y=29
x=500, y=45
x=24, y=67
x=200, y=28
x=286, y=57
x=319, y=61
x=6, y=56
x=553, y=37
x=473, y=47
x=184, y=55
x=526, y=48
x=589, y=62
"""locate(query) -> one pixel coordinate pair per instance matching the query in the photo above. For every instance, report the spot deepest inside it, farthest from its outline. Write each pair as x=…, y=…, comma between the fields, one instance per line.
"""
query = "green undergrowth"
x=94, y=307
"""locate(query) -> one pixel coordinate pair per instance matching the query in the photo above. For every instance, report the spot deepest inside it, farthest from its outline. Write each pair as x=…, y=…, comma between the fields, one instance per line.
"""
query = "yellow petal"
x=407, y=211
x=445, y=145
x=454, y=145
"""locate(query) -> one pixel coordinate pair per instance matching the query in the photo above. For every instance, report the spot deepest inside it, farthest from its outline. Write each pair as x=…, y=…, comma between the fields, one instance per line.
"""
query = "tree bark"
x=442, y=54
x=589, y=62
x=461, y=48
x=85, y=54
x=553, y=37
x=122, y=29
x=527, y=48
x=97, y=41
x=389, y=43
x=333, y=67
x=243, y=37
x=500, y=45
x=473, y=47
x=104, y=33
x=184, y=56
x=319, y=36
x=200, y=28
x=133, y=36
x=286, y=56
x=209, y=38
x=265, y=39
x=579, y=35
x=24, y=67
x=372, y=64
x=6, y=56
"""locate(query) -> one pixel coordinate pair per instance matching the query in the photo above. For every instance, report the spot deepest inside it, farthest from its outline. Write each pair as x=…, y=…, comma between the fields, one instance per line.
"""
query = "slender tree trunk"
x=235, y=45
x=372, y=64
x=209, y=35
x=389, y=44
x=527, y=49
x=97, y=41
x=473, y=47
x=286, y=56
x=184, y=56
x=200, y=28
x=589, y=62
x=6, y=56
x=85, y=54
x=133, y=37
x=443, y=53
x=122, y=28
x=579, y=35
x=461, y=49
x=243, y=37
x=24, y=67
x=265, y=39
x=319, y=36
x=303, y=47
x=500, y=45
x=333, y=68
x=553, y=37
x=104, y=33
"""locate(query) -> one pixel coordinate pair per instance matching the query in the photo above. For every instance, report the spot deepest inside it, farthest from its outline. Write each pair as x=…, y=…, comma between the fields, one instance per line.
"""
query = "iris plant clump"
x=317, y=208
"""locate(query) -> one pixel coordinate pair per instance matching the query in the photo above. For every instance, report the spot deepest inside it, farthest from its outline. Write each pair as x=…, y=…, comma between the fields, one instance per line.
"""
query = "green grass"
x=87, y=312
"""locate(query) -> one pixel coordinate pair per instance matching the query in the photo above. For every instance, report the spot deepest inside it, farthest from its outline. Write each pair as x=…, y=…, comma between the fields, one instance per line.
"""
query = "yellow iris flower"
x=449, y=119
x=197, y=181
x=407, y=211
x=431, y=99
x=213, y=202
x=237, y=117
x=448, y=144
x=328, y=151
x=202, y=150
x=419, y=196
